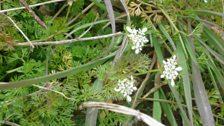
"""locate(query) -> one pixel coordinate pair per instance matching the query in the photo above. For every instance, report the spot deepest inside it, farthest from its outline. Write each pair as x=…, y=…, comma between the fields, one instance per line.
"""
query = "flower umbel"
x=170, y=69
x=138, y=38
x=126, y=87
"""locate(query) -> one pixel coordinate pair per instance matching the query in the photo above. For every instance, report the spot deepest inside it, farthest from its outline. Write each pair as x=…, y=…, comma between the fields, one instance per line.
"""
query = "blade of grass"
x=215, y=82
x=110, y=12
x=111, y=16
x=157, y=112
x=174, y=91
x=85, y=26
x=216, y=70
x=183, y=114
x=91, y=116
x=182, y=61
x=92, y=113
x=219, y=57
x=209, y=12
x=201, y=97
x=98, y=4
x=126, y=10
x=166, y=107
x=166, y=34
x=73, y=71
x=214, y=40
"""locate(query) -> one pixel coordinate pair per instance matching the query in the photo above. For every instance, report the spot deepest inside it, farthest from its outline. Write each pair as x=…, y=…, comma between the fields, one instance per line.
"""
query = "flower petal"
x=117, y=89
x=128, y=98
x=144, y=29
x=178, y=68
x=172, y=83
x=129, y=29
x=164, y=62
x=162, y=76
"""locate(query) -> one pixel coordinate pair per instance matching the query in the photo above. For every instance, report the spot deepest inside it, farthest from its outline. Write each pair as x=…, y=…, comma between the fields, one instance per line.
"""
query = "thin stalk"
x=34, y=5
x=143, y=84
x=69, y=41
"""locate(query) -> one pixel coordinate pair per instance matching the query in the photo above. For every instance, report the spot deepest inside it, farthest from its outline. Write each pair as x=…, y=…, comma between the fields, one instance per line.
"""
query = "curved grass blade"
x=73, y=71
x=157, y=107
x=92, y=113
x=186, y=81
x=126, y=10
x=157, y=112
x=219, y=57
x=166, y=107
x=91, y=116
x=216, y=70
x=214, y=40
x=110, y=11
x=201, y=97
x=166, y=34
x=221, y=93
x=98, y=4
x=85, y=26
x=174, y=91
x=210, y=12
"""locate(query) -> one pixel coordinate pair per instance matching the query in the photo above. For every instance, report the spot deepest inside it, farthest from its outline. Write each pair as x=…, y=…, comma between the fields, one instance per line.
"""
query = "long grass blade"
x=186, y=81
x=73, y=71
x=92, y=113
x=219, y=76
x=166, y=34
x=174, y=91
x=219, y=57
x=126, y=10
x=166, y=108
x=214, y=40
x=201, y=97
x=110, y=11
x=157, y=112
x=221, y=93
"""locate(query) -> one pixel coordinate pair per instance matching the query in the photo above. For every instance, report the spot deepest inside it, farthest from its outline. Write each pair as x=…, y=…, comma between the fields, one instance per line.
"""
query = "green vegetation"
x=48, y=74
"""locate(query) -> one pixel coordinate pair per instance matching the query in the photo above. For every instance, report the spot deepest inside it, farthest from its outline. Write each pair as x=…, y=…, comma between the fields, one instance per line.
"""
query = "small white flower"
x=206, y=1
x=126, y=87
x=170, y=69
x=138, y=38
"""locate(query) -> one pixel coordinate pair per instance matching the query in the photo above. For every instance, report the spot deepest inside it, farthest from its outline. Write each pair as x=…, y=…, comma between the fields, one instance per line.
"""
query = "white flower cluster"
x=138, y=38
x=126, y=87
x=170, y=69
x=206, y=1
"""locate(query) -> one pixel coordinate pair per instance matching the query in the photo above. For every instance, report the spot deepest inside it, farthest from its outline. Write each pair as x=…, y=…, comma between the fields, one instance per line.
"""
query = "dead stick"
x=69, y=41
x=33, y=14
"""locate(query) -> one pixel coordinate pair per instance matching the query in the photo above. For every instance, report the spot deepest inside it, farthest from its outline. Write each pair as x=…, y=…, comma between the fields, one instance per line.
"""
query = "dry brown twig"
x=17, y=27
x=8, y=123
x=143, y=84
x=34, y=5
x=69, y=41
x=124, y=110
x=33, y=14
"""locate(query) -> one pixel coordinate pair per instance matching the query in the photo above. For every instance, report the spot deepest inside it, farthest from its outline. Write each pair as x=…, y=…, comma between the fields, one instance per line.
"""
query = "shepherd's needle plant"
x=126, y=87
x=171, y=69
x=137, y=36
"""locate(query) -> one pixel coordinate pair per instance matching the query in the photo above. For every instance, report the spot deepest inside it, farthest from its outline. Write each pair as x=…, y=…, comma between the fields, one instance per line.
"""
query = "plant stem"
x=69, y=41
x=34, y=5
